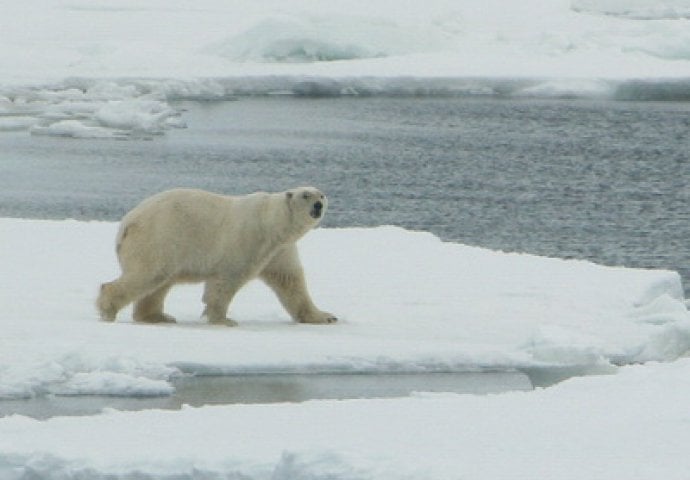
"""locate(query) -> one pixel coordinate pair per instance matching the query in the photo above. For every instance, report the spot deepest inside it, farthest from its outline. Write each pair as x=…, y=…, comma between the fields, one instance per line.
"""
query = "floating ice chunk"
x=114, y=119
x=569, y=88
x=92, y=109
x=76, y=129
x=150, y=116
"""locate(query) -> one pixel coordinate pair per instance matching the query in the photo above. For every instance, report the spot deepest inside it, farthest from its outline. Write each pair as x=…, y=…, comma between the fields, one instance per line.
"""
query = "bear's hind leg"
x=119, y=293
x=109, y=301
x=149, y=309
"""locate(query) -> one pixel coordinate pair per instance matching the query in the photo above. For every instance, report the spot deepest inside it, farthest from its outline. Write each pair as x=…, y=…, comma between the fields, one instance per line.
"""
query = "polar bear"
x=186, y=235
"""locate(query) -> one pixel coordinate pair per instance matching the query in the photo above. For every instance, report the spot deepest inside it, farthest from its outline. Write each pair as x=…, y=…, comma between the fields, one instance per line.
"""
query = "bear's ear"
x=288, y=195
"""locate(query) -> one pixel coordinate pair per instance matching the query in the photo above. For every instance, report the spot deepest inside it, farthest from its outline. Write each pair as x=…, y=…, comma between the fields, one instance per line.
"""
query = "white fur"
x=188, y=235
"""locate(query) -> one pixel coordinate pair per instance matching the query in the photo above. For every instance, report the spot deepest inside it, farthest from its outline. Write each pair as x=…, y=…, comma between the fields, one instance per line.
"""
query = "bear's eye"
x=306, y=195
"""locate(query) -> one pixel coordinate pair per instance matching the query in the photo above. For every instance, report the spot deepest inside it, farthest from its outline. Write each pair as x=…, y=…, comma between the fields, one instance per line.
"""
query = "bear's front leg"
x=217, y=296
x=317, y=317
x=285, y=276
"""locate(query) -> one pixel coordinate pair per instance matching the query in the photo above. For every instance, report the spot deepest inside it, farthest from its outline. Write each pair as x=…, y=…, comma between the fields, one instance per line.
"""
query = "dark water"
x=606, y=181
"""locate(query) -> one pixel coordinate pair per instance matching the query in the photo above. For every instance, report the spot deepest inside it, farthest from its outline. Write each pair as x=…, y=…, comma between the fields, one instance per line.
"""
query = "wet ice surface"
x=246, y=389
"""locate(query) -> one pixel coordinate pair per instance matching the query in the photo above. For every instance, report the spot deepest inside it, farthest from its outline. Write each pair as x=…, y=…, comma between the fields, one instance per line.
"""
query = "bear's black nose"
x=317, y=210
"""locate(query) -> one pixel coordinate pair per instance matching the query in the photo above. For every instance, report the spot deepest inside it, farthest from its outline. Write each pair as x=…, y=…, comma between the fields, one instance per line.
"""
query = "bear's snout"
x=316, y=211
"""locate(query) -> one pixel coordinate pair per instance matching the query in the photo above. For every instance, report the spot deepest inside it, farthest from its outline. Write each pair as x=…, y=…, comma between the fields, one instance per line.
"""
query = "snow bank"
x=407, y=301
x=632, y=425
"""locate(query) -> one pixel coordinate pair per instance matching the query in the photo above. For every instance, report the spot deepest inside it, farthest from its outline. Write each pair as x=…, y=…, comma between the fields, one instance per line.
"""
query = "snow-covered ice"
x=72, y=62
x=407, y=301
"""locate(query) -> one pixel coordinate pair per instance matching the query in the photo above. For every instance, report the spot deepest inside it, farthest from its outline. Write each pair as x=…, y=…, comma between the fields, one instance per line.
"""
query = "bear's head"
x=309, y=203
